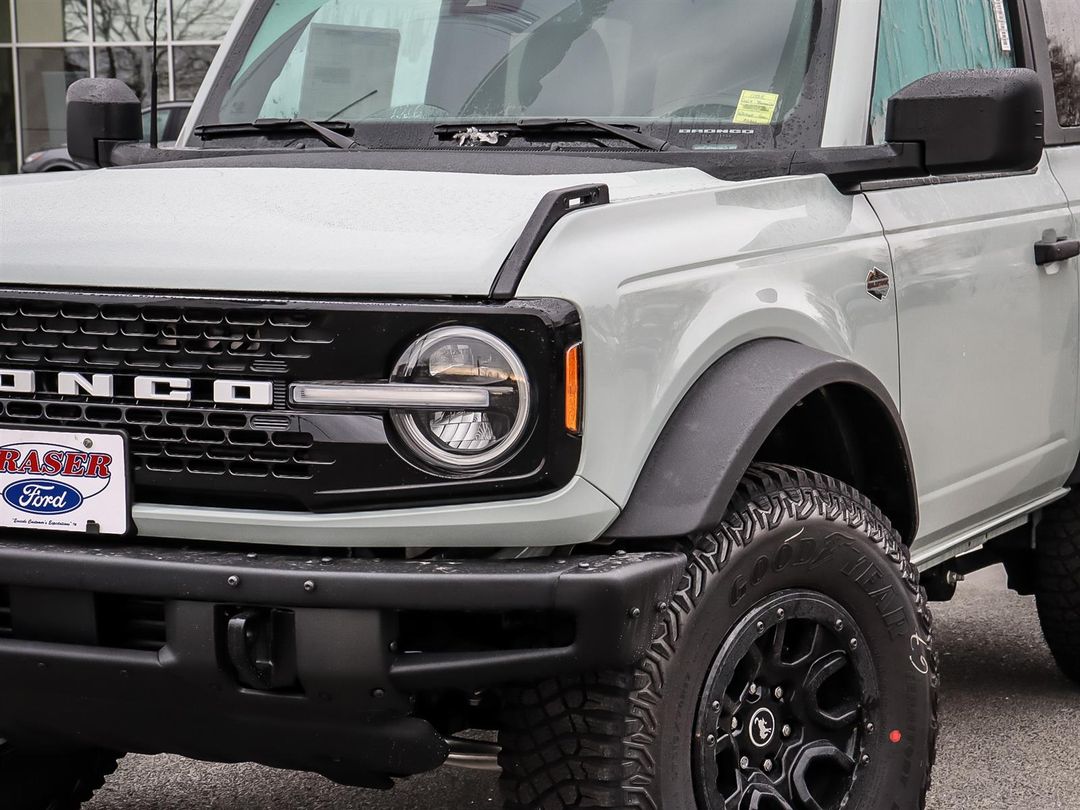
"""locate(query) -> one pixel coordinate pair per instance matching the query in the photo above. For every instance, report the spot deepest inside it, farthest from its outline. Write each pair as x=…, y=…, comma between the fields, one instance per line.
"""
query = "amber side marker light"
x=573, y=389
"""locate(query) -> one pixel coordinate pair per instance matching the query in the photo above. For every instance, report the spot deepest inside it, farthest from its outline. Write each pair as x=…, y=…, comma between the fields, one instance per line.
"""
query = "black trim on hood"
x=847, y=166
x=553, y=207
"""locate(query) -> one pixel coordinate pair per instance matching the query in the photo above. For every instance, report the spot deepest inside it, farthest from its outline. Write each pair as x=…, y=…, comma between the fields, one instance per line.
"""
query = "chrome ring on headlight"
x=464, y=441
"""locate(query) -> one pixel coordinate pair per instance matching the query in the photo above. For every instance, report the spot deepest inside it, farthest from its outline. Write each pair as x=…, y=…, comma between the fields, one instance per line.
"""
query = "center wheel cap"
x=762, y=727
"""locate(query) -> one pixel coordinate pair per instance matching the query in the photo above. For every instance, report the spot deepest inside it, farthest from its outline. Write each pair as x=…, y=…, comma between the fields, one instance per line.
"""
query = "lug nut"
x=869, y=728
x=854, y=644
x=635, y=612
x=734, y=723
x=744, y=763
x=767, y=765
x=778, y=693
x=785, y=731
x=710, y=740
x=716, y=705
x=865, y=759
x=753, y=689
x=761, y=627
x=839, y=625
x=780, y=613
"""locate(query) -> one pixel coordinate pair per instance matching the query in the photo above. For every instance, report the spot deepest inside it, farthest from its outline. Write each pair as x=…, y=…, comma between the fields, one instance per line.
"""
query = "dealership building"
x=45, y=45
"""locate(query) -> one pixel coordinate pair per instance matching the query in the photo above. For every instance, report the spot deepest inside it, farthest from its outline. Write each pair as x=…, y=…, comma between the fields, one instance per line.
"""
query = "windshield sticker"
x=1001, y=17
x=756, y=108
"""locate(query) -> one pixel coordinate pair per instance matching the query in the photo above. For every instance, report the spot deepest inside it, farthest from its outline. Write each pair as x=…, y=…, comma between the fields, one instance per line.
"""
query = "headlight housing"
x=464, y=442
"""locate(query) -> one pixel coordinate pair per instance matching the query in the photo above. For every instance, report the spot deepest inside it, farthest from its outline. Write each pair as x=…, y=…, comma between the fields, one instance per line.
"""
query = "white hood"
x=334, y=231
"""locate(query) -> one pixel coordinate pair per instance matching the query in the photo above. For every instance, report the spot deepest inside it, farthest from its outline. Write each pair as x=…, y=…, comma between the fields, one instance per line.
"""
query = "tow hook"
x=262, y=648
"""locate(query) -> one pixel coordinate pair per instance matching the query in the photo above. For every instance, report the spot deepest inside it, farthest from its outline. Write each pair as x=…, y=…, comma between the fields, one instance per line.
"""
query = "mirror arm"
x=848, y=166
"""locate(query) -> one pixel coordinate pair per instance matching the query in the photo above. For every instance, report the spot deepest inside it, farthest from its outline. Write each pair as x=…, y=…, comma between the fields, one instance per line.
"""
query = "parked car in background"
x=171, y=118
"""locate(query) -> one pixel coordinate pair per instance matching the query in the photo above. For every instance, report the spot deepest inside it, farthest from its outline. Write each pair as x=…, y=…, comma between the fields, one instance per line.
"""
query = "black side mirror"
x=971, y=120
x=101, y=115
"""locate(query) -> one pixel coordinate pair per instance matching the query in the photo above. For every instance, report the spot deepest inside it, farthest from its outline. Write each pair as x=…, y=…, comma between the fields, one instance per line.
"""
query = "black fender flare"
x=717, y=430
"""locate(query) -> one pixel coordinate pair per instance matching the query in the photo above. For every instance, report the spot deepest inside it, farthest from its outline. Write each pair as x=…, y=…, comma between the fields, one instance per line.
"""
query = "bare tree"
x=116, y=21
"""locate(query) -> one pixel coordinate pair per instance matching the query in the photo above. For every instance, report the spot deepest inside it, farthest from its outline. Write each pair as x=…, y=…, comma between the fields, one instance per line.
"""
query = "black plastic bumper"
x=129, y=648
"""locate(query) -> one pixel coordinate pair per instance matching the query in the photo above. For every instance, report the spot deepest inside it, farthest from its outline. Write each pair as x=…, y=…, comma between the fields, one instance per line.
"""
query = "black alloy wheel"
x=784, y=707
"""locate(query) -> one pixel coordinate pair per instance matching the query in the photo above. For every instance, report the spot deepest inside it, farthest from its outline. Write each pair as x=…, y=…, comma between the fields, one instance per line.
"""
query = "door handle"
x=1053, y=252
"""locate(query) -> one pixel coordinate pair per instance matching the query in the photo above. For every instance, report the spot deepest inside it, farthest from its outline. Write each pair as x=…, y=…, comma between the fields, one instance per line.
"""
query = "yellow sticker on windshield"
x=756, y=108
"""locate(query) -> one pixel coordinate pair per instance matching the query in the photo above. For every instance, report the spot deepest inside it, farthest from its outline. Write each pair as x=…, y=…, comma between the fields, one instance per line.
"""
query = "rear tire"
x=1057, y=582
x=51, y=781
x=651, y=737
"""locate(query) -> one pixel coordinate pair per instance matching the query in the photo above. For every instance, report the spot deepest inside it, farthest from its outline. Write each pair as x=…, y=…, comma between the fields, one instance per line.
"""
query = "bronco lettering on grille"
x=249, y=393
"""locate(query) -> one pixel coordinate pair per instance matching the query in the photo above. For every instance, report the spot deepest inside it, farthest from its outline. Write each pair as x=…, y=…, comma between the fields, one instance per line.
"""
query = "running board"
x=925, y=559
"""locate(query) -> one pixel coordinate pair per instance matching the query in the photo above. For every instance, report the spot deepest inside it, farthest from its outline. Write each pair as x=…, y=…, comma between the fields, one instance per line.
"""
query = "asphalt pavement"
x=1010, y=738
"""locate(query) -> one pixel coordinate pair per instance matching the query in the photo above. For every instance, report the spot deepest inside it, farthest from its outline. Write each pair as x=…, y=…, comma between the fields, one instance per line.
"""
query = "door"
x=988, y=339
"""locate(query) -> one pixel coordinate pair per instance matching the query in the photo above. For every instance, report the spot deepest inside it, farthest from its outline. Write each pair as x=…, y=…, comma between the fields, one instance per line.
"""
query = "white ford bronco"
x=596, y=374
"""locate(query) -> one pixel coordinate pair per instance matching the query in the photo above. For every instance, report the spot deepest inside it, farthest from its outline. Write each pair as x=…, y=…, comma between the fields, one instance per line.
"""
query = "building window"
x=128, y=20
x=9, y=159
x=55, y=42
x=132, y=65
x=44, y=77
x=51, y=21
x=202, y=19
x=190, y=64
x=5, y=21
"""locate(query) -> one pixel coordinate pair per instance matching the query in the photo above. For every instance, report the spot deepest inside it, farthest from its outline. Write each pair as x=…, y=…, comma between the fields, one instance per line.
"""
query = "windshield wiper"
x=325, y=130
x=583, y=126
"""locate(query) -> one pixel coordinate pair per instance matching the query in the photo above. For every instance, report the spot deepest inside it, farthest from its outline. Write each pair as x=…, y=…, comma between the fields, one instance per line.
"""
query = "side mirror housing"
x=971, y=120
x=101, y=115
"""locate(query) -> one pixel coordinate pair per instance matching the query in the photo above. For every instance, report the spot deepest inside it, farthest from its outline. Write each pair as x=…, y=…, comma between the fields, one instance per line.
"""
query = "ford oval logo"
x=43, y=497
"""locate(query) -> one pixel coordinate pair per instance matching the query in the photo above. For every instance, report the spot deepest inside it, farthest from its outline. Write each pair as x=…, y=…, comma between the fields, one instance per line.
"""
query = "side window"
x=1063, y=31
x=920, y=37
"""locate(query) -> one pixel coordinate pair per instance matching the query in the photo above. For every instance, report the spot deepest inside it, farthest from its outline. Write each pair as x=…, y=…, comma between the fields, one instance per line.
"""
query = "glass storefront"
x=45, y=45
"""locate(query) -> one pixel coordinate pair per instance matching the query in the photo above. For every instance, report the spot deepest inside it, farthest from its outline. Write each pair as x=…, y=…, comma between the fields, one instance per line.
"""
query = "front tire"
x=792, y=669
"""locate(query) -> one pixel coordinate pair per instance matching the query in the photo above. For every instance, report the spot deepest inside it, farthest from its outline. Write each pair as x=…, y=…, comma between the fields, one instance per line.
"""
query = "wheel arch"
x=778, y=401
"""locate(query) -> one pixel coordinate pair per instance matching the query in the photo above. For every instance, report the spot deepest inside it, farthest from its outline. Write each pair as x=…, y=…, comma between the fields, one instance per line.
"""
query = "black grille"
x=275, y=457
x=117, y=336
x=192, y=441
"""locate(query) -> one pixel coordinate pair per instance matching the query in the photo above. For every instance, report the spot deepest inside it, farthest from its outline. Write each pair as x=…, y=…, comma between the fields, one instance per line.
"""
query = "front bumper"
x=129, y=648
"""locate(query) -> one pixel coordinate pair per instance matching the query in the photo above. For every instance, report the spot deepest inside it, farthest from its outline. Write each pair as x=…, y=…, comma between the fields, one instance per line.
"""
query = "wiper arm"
x=325, y=130
x=585, y=126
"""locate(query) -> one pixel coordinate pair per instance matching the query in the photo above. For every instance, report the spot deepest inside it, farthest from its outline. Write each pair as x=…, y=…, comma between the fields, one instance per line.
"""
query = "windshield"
x=701, y=74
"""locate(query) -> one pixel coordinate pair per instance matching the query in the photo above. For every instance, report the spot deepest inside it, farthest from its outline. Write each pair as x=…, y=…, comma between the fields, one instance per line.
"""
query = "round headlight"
x=464, y=441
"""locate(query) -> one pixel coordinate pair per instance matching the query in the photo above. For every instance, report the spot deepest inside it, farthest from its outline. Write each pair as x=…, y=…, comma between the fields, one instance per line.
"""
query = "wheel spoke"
x=761, y=797
x=818, y=756
x=754, y=663
x=725, y=741
x=821, y=670
x=777, y=651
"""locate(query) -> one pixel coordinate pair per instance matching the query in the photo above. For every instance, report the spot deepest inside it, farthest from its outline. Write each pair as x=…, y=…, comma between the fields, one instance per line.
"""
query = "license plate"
x=64, y=481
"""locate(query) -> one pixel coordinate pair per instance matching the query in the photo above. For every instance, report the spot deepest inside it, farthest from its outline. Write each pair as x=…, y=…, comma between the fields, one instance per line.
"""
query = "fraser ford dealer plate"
x=64, y=481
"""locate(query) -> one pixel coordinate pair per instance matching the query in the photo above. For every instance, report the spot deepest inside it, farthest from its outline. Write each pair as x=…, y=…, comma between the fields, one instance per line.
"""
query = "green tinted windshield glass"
x=733, y=72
